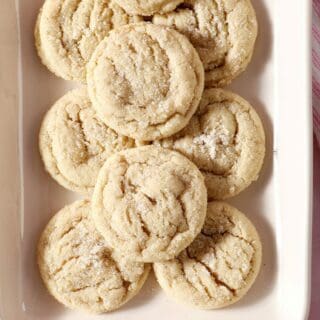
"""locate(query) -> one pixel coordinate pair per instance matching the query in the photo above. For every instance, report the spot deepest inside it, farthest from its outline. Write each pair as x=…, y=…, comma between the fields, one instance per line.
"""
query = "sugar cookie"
x=222, y=31
x=226, y=140
x=148, y=7
x=149, y=203
x=74, y=143
x=79, y=270
x=145, y=81
x=68, y=31
x=219, y=267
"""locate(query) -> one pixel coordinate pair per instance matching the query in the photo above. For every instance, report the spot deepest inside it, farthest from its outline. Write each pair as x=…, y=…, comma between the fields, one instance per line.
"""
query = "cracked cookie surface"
x=222, y=31
x=77, y=267
x=68, y=31
x=226, y=140
x=145, y=81
x=74, y=143
x=220, y=266
x=148, y=7
x=149, y=203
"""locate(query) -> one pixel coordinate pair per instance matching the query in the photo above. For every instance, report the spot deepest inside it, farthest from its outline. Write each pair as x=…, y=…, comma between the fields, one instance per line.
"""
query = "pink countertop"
x=315, y=292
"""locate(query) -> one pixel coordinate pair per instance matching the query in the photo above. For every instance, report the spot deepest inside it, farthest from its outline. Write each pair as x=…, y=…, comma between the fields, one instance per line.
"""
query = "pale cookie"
x=79, y=270
x=219, y=267
x=226, y=140
x=145, y=81
x=74, y=143
x=222, y=31
x=149, y=203
x=68, y=31
x=148, y=7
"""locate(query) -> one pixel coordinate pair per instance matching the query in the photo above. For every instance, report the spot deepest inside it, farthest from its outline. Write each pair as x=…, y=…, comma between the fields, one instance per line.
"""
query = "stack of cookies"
x=148, y=139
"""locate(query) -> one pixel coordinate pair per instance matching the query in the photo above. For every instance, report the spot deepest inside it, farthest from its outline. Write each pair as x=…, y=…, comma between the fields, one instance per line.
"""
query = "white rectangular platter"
x=277, y=83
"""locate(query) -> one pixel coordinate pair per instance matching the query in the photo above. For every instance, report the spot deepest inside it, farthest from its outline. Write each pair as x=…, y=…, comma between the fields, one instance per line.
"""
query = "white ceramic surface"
x=277, y=83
